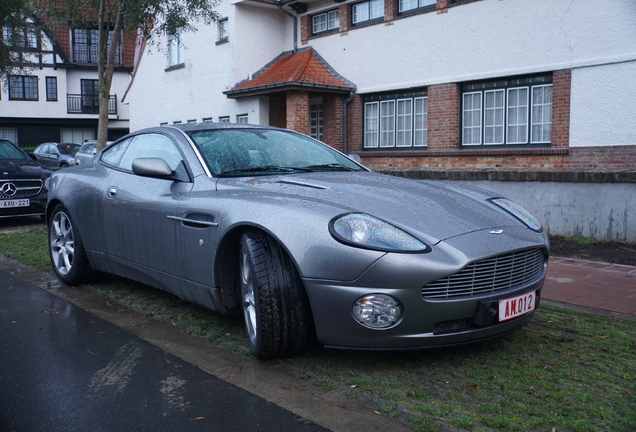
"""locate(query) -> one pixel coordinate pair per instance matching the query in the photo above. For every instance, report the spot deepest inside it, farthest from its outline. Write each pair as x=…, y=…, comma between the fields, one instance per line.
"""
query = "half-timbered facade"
x=56, y=99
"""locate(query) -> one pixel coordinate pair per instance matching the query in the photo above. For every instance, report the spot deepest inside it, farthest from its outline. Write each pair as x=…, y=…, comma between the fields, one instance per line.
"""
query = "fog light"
x=377, y=311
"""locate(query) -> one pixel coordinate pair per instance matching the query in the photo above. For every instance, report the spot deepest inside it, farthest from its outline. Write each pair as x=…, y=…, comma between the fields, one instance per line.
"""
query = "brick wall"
x=298, y=111
x=355, y=125
x=614, y=158
x=332, y=120
x=561, y=90
x=443, y=117
x=444, y=131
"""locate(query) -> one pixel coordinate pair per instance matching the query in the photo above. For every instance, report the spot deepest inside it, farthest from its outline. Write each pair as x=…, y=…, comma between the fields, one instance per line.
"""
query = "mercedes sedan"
x=303, y=240
x=22, y=180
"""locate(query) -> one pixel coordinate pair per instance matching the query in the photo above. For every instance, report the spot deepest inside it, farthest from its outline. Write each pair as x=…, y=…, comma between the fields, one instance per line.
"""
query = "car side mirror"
x=354, y=157
x=151, y=167
x=159, y=168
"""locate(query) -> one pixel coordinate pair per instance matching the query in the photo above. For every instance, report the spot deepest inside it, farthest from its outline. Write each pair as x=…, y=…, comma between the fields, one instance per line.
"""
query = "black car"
x=22, y=179
x=56, y=155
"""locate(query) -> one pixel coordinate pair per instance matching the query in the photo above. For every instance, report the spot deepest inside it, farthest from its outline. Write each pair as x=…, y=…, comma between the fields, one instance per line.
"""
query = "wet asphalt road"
x=64, y=369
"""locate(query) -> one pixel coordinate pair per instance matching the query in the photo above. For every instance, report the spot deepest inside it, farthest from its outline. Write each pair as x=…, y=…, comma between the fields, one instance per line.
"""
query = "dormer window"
x=86, y=46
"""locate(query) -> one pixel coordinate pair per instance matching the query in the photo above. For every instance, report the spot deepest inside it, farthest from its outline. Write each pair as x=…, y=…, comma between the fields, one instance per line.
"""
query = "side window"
x=113, y=154
x=151, y=146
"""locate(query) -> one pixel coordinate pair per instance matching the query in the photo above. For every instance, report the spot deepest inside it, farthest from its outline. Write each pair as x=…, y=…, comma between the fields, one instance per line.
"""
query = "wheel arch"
x=50, y=206
x=227, y=262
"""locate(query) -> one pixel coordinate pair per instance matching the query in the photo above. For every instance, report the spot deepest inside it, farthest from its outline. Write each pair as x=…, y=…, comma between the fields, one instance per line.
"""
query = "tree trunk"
x=106, y=68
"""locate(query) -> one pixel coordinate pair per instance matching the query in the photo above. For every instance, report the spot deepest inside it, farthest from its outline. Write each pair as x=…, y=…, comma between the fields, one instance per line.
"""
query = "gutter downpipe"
x=295, y=18
x=345, y=104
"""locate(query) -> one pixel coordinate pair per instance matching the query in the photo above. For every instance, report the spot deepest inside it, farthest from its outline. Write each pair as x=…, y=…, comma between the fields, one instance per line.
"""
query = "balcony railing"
x=82, y=104
x=88, y=54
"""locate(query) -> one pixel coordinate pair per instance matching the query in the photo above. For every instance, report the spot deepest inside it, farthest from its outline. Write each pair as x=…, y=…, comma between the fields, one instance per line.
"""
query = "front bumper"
x=425, y=322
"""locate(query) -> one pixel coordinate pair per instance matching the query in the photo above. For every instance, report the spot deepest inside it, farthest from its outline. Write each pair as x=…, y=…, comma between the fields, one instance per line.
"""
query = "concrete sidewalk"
x=607, y=287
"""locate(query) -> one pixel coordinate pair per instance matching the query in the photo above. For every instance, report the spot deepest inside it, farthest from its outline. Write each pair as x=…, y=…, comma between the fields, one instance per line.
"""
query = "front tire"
x=274, y=302
x=66, y=249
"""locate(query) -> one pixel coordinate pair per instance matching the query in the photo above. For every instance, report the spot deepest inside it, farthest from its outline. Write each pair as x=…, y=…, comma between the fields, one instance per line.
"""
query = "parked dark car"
x=87, y=151
x=56, y=155
x=300, y=238
x=22, y=191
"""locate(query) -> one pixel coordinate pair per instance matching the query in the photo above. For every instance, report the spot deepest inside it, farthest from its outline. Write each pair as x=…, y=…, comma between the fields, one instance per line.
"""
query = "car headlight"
x=519, y=212
x=367, y=232
x=377, y=311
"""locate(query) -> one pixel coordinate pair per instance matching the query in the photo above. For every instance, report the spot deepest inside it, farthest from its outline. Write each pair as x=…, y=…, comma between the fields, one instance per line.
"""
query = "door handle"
x=112, y=192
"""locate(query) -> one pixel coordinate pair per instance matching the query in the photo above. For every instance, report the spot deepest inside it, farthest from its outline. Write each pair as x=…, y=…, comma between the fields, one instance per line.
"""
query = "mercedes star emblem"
x=8, y=189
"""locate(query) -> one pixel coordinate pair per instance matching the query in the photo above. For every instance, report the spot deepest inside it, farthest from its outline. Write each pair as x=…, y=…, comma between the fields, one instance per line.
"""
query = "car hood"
x=12, y=169
x=432, y=211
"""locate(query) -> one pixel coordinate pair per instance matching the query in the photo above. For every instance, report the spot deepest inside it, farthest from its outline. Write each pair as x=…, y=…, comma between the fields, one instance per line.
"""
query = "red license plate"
x=514, y=307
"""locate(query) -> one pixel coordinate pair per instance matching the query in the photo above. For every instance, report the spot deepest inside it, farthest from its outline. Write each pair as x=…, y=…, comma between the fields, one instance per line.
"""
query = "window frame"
x=175, y=46
x=51, y=89
x=369, y=16
x=224, y=30
x=517, y=121
x=419, y=6
x=532, y=115
x=331, y=24
x=395, y=121
x=29, y=39
x=22, y=94
x=90, y=40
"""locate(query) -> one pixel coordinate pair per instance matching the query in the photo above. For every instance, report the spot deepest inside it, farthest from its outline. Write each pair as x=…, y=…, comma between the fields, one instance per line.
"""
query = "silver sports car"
x=298, y=237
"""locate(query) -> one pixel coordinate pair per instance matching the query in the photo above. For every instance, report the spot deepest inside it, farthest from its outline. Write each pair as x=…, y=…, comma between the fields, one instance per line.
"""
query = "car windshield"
x=68, y=149
x=9, y=152
x=249, y=152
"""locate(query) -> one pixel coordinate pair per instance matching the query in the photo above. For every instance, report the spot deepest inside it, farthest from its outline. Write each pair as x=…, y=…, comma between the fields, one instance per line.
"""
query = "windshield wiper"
x=330, y=167
x=264, y=169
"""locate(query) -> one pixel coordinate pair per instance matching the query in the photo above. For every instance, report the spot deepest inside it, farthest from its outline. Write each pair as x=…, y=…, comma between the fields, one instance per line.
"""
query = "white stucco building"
x=434, y=83
x=531, y=98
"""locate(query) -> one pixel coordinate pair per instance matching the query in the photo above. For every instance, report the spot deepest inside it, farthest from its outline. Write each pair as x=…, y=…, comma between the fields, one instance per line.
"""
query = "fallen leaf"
x=473, y=388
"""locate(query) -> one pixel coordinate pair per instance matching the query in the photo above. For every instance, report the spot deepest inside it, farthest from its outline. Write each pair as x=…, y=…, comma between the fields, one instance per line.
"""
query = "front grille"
x=23, y=188
x=490, y=275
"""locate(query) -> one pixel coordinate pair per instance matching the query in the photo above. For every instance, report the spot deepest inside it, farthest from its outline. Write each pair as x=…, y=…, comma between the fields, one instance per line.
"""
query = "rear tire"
x=66, y=249
x=274, y=302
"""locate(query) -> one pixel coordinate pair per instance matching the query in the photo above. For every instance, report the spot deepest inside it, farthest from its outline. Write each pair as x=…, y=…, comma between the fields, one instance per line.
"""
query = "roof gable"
x=293, y=69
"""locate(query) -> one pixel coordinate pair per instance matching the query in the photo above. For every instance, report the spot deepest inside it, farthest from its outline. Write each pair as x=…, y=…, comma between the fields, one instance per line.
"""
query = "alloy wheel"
x=62, y=243
x=247, y=291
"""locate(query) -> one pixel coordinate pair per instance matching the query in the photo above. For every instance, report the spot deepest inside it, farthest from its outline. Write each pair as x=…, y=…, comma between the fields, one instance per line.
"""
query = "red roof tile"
x=297, y=69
